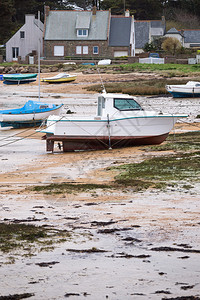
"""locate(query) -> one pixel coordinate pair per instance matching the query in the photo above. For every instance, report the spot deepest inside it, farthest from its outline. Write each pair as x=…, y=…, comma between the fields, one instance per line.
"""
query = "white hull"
x=136, y=126
x=191, y=89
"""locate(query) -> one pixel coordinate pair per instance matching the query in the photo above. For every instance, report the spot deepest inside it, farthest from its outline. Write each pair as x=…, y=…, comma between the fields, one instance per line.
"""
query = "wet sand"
x=132, y=228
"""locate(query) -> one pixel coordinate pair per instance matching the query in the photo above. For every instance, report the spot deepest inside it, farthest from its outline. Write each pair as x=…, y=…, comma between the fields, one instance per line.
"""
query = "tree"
x=142, y=9
x=171, y=45
x=7, y=12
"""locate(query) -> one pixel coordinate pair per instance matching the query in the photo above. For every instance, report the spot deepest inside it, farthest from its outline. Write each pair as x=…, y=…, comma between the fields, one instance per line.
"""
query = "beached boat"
x=190, y=89
x=33, y=113
x=120, y=121
x=19, y=78
x=104, y=62
x=59, y=78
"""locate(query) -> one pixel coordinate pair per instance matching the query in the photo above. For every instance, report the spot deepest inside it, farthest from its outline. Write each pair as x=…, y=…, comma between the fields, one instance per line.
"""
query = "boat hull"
x=13, y=81
x=19, y=78
x=84, y=143
x=59, y=80
x=184, y=94
x=23, y=120
x=99, y=134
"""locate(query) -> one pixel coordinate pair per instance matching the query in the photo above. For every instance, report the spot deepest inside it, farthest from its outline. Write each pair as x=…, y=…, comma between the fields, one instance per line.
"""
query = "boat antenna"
x=39, y=41
x=103, y=86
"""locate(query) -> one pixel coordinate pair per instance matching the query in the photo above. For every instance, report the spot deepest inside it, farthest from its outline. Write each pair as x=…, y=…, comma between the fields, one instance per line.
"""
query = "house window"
x=58, y=50
x=82, y=32
x=85, y=49
x=95, y=50
x=78, y=50
x=22, y=34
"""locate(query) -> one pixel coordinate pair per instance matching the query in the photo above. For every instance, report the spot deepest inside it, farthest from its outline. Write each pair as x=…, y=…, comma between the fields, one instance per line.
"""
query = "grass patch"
x=161, y=171
x=25, y=236
x=189, y=141
x=138, y=87
x=61, y=188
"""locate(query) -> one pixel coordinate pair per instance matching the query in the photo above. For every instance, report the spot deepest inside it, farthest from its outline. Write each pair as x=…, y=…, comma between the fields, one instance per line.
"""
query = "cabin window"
x=22, y=34
x=58, y=50
x=95, y=50
x=101, y=104
x=126, y=104
x=82, y=32
x=44, y=106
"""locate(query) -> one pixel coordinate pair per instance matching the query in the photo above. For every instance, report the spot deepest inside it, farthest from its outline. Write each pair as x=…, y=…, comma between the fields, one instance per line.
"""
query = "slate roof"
x=157, y=24
x=192, y=36
x=39, y=24
x=141, y=33
x=173, y=31
x=62, y=25
x=120, y=28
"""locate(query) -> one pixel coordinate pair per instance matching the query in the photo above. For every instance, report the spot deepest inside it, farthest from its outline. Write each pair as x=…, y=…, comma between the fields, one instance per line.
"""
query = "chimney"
x=127, y=13
x=94, y=10
x=46, y=10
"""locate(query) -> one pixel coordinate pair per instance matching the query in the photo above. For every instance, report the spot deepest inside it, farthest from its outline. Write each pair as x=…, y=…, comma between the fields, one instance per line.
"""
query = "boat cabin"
x=112, y=104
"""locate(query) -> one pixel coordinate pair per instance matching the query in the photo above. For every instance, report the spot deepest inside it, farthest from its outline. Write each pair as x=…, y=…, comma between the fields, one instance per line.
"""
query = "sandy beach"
x=146, y=244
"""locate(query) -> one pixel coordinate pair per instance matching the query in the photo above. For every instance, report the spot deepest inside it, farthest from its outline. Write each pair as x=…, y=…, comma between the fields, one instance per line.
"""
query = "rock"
x=2, y=69
x=54, y=69
x=44, y=70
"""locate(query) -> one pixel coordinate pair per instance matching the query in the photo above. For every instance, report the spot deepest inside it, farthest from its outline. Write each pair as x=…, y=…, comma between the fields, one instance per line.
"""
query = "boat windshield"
x=126, y=104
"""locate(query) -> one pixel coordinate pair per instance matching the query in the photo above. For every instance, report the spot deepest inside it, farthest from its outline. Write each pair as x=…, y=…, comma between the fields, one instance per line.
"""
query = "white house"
x=174, y=33
x=25, y=40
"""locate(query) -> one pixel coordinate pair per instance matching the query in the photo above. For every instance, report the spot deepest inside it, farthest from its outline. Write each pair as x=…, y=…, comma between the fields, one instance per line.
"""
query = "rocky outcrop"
x=17, y=68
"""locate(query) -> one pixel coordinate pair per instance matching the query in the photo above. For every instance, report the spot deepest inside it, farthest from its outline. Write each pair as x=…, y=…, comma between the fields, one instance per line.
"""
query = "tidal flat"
x=113, y=224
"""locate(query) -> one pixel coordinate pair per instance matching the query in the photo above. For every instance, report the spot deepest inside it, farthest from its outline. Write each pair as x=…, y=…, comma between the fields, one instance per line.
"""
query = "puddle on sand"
x=16, y=151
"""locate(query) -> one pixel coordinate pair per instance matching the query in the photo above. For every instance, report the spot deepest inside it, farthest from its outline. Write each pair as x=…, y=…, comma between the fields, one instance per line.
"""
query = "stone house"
x=26, y=40
x=76, y=34
x=96, y=34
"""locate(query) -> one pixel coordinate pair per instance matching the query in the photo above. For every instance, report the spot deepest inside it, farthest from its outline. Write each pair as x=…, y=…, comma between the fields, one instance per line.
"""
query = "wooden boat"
x=188, y=90
x=33, y=113
x=59, y=78
x=19, y=78
x=120, y=122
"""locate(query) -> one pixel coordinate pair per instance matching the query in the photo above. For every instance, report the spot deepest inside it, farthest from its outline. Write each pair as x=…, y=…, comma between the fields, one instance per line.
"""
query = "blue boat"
x=32, y=114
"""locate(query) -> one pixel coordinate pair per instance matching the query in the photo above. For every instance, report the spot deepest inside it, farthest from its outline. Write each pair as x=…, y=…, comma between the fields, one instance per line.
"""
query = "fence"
x=151, y=60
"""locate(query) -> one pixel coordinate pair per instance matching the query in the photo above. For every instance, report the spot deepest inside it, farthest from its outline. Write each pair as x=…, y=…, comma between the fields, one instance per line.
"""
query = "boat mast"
x=39, y=57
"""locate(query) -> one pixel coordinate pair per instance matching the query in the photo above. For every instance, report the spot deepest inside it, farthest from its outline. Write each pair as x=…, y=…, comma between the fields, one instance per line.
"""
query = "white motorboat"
x=120, y=121
x=59, y=78
x=190, y=89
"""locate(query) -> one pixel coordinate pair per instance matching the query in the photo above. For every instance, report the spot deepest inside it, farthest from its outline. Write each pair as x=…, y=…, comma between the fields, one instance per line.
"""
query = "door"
x=15, y=53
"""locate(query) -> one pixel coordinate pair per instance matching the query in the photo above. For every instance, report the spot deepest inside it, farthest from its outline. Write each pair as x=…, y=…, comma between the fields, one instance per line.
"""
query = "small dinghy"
x=33, y=113
x=19, y=78
x=61, y=77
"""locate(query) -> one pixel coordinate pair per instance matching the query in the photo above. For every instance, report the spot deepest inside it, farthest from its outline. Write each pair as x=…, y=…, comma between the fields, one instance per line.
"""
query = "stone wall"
x=70, y=49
